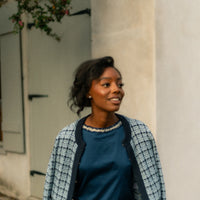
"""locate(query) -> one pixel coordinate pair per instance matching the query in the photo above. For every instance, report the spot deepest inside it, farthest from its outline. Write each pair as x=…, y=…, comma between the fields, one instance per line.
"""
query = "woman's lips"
x=115, y=100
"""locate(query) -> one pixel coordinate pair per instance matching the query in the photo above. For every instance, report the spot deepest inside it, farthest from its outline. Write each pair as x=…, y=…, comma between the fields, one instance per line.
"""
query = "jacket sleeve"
x=48, y=186
x=160, y=173
x=145, y=151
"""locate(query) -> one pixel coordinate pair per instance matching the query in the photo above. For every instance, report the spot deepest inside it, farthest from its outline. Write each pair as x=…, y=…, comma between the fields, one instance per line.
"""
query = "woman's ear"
x=89, y=96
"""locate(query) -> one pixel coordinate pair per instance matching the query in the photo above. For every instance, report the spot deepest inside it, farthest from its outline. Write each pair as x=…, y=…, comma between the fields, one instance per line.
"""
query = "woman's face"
x=106, y=91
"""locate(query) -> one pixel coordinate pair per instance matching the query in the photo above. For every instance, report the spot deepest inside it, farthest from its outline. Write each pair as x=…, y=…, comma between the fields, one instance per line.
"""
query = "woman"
x=103, y=156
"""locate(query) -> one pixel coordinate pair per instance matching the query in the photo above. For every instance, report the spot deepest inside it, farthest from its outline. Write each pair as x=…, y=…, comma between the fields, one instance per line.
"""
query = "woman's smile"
x=115, y=100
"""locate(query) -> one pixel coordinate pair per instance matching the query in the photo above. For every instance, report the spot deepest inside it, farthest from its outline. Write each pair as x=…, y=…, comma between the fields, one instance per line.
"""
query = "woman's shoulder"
x=133, y=122
x=138, y=127
x=68, y=131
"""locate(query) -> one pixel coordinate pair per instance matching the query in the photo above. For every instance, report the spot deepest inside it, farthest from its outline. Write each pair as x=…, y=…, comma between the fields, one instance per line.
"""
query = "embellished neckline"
x=102, y=130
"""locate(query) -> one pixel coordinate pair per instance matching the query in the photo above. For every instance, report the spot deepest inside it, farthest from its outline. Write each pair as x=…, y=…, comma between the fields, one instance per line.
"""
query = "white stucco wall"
x=13, y=172
x=178, y=97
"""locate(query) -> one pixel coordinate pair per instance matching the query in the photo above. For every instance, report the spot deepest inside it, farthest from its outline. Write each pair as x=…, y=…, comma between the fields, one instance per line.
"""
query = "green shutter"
x=12, y=100
x=11, y=83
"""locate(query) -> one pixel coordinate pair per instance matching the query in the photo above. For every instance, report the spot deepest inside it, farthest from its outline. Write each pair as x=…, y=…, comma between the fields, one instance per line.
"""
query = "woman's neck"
x=101, y=120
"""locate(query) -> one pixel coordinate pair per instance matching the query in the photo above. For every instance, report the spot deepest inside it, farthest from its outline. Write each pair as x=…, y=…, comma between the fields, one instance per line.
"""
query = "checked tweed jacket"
x=148, y=182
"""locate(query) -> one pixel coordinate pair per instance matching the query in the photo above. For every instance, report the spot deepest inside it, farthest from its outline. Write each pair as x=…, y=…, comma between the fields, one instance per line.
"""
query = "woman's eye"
x=106, y=84
x=120, y=85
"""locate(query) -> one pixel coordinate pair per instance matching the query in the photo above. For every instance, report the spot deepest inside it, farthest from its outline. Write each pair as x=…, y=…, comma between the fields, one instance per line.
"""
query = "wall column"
x=125, y=30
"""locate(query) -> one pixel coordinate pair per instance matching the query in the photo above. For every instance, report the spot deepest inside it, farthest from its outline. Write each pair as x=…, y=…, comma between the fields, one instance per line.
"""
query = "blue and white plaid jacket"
x=148, y=182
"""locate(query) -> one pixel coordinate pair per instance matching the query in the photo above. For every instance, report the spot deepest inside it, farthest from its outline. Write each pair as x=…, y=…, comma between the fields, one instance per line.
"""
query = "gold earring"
x=89, y=97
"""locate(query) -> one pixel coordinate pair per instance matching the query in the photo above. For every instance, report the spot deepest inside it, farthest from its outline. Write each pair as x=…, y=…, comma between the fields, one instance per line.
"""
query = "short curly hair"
x=84, y=75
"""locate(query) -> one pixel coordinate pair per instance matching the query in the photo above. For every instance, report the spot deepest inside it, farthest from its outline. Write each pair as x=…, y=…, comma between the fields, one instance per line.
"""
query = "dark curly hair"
x=84, y=75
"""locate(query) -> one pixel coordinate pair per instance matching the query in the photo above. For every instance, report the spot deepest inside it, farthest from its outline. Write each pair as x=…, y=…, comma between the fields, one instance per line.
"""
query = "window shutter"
x=12, y=100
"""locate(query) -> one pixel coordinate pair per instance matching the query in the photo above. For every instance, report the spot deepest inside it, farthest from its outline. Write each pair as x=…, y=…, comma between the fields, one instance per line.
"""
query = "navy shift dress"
x=105, y=172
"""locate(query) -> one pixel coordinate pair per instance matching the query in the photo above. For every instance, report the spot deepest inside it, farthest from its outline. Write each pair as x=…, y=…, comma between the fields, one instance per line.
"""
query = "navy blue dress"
x=105, y=172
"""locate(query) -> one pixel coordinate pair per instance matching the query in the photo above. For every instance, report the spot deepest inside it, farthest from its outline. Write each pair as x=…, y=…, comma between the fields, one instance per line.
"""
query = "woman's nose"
x=115, y=88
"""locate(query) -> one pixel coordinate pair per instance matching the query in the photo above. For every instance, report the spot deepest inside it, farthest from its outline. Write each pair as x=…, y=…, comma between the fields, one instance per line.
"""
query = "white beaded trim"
x=102, y=130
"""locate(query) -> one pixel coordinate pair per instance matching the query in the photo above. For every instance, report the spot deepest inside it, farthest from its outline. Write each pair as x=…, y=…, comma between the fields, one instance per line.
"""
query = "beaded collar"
x=102, y=130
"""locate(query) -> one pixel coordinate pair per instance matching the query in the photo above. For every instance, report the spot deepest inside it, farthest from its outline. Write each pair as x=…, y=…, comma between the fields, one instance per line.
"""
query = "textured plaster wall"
x=125, y=30
x=178, y=97
x=13, y=173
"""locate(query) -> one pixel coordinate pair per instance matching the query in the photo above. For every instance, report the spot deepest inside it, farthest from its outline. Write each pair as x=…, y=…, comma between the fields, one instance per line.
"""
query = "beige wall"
x=178, y=96
x=13, y=173
x=125, y=30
